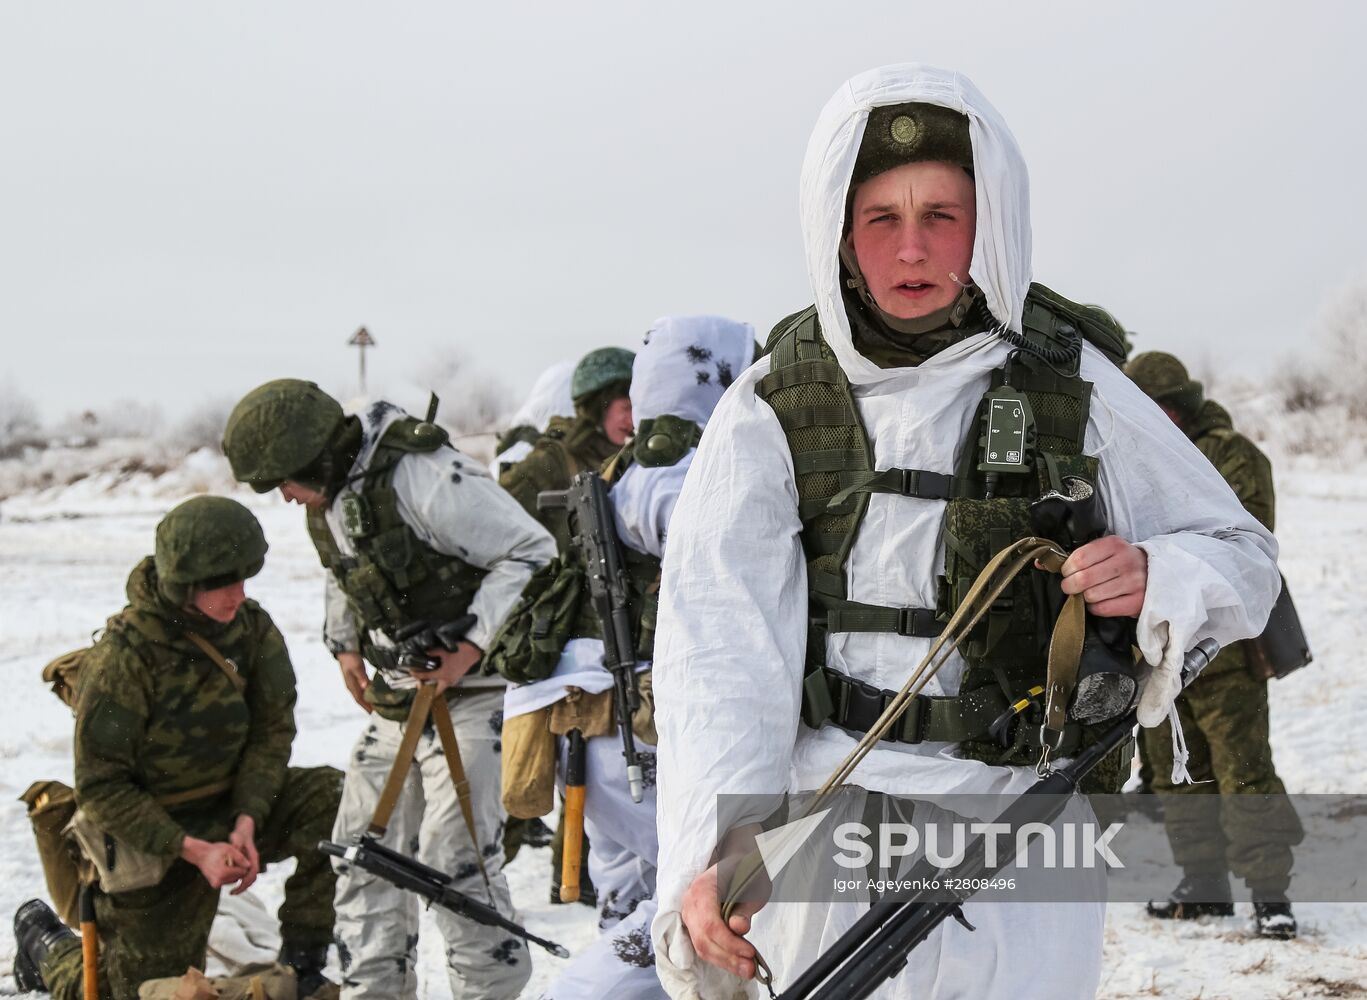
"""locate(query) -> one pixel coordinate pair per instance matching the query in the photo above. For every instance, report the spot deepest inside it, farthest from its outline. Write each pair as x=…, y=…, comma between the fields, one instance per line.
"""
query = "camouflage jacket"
x=569, y=446
x=155, y=716
x=1238, y=460
x=1249, y=474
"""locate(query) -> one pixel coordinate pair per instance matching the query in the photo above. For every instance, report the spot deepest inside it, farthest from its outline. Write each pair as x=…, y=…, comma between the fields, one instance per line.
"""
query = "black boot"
x=1196, y=896
x=537, y=834
x=307, y=961
x=1273, y=918
x=36, y=930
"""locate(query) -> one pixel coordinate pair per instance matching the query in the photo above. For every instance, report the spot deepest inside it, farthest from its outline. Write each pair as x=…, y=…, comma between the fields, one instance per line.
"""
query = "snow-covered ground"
x=66, y=553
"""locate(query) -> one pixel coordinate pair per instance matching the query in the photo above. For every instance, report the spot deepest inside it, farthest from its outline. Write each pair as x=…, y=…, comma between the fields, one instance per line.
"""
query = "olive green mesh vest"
x=833, y=465
x=395, y=578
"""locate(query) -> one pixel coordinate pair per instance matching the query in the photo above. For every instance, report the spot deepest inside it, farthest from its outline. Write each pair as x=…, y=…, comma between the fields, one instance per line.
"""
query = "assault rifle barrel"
x=434, y=886
x=876, y=948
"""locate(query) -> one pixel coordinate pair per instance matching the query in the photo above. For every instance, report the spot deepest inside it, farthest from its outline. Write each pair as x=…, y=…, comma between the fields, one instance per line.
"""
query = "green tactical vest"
x=395, y=578
x=554, y=608
x=833, y=464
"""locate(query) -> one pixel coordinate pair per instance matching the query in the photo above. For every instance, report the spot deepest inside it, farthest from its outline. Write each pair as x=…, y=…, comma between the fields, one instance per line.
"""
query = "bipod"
x=426, y=706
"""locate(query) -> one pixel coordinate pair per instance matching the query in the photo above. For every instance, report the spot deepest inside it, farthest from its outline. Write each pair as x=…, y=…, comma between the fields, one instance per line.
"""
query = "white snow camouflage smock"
x=550, y=397
x=732, y=628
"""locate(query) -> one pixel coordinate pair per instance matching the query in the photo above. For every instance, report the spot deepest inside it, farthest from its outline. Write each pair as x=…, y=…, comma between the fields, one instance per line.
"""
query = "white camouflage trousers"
x=377, y=924
x=623, y=853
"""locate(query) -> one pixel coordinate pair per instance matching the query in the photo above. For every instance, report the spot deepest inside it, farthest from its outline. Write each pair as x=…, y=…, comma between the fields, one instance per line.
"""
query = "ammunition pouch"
x=120, y=867
x=51, y=804
x=546, y=617
x=1282, y=648
x=591, y=714
x=528, y=762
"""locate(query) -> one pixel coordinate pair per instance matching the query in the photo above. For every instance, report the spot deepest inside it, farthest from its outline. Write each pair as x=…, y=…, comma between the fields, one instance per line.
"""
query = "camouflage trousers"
x=163, y=930
x=1252, y=828
x=623, y=856
x=377, y=924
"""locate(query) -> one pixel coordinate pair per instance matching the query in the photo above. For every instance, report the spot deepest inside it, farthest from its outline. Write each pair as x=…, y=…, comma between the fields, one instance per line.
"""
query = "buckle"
x=918, y=622
x=861, y=704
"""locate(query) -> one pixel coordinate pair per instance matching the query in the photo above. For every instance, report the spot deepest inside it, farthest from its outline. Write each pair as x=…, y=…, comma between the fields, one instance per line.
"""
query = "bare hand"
x=1110, y=574
x=243, y=838
x=719, y=942
x=355, y=678
x=221, y=864
x=454, y=665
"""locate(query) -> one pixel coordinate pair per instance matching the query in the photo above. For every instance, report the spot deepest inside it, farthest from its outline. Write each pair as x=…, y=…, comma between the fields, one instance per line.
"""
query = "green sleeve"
x=543, y=469
x=111, y=726
x=270, y=696
x=1249, y=474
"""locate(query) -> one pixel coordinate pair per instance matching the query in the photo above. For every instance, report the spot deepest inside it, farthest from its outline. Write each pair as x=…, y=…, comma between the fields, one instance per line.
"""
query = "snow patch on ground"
x=67, y=551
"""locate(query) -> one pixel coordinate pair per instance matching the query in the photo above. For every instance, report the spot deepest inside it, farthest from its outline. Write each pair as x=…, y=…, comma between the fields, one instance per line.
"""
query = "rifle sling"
x=228, y=667
x=426, y=704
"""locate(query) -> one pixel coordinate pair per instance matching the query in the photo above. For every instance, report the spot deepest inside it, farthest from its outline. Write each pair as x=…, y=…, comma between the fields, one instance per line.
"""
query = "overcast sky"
x=195, y=198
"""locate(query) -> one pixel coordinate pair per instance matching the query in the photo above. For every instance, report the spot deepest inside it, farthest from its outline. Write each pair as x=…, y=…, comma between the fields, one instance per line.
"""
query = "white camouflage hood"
x=550, y=397
x=1001, y=247
x=686, y=364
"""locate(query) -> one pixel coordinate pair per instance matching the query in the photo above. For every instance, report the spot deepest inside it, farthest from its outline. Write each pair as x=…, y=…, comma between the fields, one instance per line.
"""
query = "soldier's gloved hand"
x=355, y=678
x=1110, y=574
x=455, y=664
x=243, y=838
x=220, y=863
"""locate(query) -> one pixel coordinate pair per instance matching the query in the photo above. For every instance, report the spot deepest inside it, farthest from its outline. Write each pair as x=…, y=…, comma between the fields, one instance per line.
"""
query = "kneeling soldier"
x=184, y=721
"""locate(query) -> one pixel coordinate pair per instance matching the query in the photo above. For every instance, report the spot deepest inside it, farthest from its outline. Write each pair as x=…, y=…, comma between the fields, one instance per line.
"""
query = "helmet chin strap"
x=951, y=315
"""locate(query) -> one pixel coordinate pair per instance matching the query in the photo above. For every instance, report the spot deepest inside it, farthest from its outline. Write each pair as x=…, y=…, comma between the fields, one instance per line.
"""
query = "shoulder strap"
x=226, y=665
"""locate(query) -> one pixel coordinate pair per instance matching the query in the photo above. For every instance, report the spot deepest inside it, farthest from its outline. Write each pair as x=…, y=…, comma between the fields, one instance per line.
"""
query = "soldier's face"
x=309, y=497
x=912, y=232
x=617, y=423
x=221, y=603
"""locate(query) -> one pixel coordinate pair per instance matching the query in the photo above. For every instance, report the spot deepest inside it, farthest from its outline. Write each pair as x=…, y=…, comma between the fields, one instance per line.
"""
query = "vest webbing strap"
x=829, y=460
x=222, y=662
x=915, y=483
x=802, y=373
x=816, y=415
x=830, y=696
x=851, y=616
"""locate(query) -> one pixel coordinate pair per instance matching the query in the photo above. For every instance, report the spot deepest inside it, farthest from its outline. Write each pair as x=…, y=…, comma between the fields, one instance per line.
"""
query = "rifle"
x=876, y=948
x=371, y=856
x=589, y=509
x=414, y=640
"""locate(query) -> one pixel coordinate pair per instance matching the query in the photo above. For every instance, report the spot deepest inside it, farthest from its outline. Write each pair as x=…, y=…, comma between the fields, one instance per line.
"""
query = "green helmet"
x=600, y=369
x=205, y=543
x=278, y=429
x=1164, y=379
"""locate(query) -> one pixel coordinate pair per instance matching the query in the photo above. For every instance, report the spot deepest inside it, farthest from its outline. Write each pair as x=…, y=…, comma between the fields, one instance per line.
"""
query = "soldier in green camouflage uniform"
x=599, y=428
x=601, y=425
x=1224, y=713
x=157, y=717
